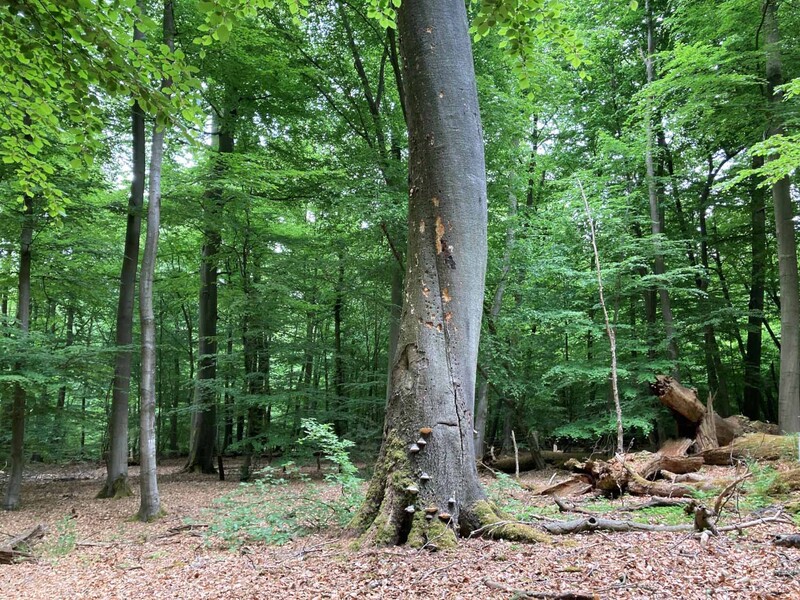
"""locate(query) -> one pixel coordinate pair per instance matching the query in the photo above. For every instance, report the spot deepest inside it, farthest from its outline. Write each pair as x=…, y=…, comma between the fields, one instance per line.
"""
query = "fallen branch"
x=725, y=494
x=599, y=524
x=657, y=503
x=190, y=527
x=518, y=593
x=566, y=506
x=12, y=550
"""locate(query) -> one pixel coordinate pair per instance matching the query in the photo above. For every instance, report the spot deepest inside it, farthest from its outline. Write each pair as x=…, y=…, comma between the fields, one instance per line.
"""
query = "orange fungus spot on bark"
x=439, y=234
x=446, y=295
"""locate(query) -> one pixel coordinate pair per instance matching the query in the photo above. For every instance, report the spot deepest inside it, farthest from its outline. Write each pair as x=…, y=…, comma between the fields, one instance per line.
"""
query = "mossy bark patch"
x=118, y=489
x=488, y=514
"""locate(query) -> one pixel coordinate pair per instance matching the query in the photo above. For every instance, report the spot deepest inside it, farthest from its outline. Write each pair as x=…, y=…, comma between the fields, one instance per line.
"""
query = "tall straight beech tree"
x=116, y=485
x=19, y=394
x=427, y=457
x=789, y=387
x=150, y=503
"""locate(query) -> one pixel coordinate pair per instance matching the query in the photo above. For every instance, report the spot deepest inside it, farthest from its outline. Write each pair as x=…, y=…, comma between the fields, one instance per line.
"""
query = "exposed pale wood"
x=574, y=486
x=706, y=431
x=676, y=447
x=676, y=478
x=672, y=464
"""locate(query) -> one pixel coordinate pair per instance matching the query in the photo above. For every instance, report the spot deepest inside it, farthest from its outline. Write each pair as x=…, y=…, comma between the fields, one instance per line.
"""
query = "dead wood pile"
x=18, y=547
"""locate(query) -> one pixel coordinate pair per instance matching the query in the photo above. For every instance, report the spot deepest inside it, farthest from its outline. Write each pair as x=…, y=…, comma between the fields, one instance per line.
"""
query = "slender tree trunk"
x=753, y=401
x=652, y=192
x=789, y=390
x=150, y=504
x=433, y=370
x=116, y=484
x=339, y=410
x=18, y=394
x=70, y=339
x=59, y=426
x=482, y=401
x=173, y=415
x=227, y=436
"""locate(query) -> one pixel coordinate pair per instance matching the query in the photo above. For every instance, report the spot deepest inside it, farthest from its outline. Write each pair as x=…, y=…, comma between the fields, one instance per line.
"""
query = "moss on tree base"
x=431, y=534
x=118, y=489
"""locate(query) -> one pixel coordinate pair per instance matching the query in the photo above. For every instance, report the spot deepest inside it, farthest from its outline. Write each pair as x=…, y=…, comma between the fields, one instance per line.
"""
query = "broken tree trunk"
x=690, y=414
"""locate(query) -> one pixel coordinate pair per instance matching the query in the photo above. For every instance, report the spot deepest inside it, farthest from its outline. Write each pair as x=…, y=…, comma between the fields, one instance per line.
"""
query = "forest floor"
x=93, y=549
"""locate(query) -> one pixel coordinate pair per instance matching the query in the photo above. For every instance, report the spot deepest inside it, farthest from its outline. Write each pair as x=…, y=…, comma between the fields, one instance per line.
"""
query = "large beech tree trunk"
x=150, y=503
x=433, y=369
x=789, y=387
x=116, y=484
x=18, y=395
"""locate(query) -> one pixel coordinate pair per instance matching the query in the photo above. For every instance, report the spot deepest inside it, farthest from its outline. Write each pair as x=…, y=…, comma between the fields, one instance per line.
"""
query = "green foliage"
x=62, y=540
x=763, y=486
x=505, y=493
x=282, y=504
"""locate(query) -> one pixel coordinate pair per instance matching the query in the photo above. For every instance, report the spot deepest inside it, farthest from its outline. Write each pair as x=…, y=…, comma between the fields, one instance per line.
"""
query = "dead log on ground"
x=683, y=477
x=597, y=524
x=18, y=547
x=615, y=477
x=529, y=462
x=755, y=446
x=678, y=465
x=574, y=486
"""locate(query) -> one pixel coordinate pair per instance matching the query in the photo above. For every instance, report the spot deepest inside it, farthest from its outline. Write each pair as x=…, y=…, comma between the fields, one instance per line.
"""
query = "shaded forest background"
x=285, y=180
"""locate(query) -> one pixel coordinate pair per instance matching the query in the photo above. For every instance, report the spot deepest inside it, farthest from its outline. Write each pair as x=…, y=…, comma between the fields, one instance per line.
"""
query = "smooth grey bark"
x=150, y=502
x=652, y=192
x=789, y=387
x=433, y=369
x=753, y=398
x=18, y=394
x=116, y=484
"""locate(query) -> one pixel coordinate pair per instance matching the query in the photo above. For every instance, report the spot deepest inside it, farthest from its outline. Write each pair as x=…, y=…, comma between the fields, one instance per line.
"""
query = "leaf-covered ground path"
x=118, y=558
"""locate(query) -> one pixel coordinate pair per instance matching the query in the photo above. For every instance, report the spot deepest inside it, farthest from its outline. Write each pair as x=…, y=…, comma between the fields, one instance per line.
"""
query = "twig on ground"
x=567, y=506
x=519, y=593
